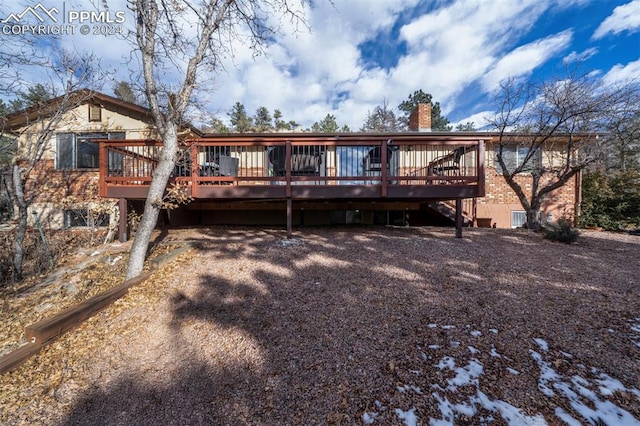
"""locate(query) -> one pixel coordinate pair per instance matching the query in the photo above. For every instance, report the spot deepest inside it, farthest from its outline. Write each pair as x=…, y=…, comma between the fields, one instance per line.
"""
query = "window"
x=514, y=157
x=79, y=151
x=77, y=218
x=518, y=219
x=95, y=112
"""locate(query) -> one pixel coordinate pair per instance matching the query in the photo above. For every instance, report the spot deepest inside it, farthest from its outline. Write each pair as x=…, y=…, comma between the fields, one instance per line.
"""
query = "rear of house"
x=272, y=179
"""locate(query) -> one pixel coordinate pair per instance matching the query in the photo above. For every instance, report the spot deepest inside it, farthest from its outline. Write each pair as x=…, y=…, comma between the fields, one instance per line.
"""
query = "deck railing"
x=303, y=167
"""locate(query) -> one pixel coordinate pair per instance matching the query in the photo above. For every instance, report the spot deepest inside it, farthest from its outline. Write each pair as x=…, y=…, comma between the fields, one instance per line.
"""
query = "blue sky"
x=360, y=53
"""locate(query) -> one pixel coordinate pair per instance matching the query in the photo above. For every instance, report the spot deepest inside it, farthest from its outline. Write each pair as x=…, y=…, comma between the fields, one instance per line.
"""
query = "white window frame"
x=518, y=218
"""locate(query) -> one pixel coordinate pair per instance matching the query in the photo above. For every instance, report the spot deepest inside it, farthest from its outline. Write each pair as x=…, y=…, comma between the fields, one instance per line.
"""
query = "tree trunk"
x=17, y=193
x=153, y=204
x=533, y=215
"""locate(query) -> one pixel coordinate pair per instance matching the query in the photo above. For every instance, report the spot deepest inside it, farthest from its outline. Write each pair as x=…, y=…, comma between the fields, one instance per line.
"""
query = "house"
x=64, y=185
x=107, y=147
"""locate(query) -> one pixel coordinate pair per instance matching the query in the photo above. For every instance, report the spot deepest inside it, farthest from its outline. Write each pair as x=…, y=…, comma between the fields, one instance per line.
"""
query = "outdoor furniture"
x=372, y=162
x=305, y=160
x=447, y=165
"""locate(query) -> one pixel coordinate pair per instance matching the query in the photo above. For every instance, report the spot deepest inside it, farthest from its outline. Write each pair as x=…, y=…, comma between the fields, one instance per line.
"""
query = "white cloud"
x=623, y=74
x=455, y=46
x=523, y=60
x=479, y=119
x=579, y=57
x=623, y=18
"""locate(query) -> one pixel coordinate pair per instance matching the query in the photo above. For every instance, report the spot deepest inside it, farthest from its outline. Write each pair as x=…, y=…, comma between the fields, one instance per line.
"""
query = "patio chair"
x=305, y=160
x=372, y=162
x=449, y=164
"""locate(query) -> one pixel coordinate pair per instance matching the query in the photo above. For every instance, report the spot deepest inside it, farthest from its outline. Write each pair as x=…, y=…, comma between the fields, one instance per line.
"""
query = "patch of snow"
x=494, y=330
x=513, y=371
x=609, y=385
x=606, y=411
x=466, y=375
x=454, y=344
x=447, y=327
x=369, y=418
x=581, y=396
x=446, y=362
x=476, y=333
x=409, y=417
x=566, y=417
x=468, y=410
x=446, y=409
x=494, y=353
x=433, y=346
x=405, y=388
x=547, y=374
x=473, y=350
x=511, y=414
x=432, y=325
x=543, y=345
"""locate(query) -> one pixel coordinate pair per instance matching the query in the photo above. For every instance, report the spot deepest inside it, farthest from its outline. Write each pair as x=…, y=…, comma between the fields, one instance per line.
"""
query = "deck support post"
x=458, y=217
x=289, y=218
x=122, y=220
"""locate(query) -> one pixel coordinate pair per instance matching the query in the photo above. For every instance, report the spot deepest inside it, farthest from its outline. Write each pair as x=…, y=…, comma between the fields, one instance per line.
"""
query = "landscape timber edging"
x=47, y=330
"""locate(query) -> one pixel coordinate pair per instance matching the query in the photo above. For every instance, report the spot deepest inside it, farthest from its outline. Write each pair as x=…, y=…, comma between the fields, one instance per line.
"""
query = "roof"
x=23, y=117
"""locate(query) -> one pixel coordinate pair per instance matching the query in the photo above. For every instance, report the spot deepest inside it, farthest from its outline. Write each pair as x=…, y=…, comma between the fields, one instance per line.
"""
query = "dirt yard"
x=354, y=326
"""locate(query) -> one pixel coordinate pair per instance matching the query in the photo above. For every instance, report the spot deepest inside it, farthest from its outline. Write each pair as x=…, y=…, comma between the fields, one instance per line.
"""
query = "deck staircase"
x=448, y=210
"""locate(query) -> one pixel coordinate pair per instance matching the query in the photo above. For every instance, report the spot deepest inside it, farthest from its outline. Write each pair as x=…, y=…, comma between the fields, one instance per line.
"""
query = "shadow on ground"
x=326, y=322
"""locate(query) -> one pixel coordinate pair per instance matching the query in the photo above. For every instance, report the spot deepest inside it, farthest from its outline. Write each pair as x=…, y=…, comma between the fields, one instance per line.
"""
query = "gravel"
x=352, y=326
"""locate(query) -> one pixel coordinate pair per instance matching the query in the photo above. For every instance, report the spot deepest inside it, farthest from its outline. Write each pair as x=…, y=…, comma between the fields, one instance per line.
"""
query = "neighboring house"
x=66, y=179
x=415, y=177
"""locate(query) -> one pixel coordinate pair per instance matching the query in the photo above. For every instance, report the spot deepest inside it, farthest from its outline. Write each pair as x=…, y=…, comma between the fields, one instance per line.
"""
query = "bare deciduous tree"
x=38, y=124
x=548, y=133
x=183, y=36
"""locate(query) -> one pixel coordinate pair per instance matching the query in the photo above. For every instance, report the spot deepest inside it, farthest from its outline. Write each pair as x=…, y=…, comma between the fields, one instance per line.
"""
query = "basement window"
x=518, y=219
x=82, y=218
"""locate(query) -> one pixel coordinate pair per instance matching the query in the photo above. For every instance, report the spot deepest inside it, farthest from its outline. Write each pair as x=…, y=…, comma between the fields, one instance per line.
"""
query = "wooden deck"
x=312, y=167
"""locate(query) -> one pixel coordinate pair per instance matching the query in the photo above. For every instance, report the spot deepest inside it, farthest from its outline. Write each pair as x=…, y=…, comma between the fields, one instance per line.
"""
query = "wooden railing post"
x=103, y=157
x=194, y=169
x=287, y=168
x=480, y=169
x=384, y=157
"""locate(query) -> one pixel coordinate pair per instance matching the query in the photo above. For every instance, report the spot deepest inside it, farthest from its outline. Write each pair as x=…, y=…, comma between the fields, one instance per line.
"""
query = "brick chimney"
x=420, y=118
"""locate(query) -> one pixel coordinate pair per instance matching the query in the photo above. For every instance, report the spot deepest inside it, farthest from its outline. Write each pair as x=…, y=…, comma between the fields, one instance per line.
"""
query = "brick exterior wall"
x=500, y=200
x=54, y=185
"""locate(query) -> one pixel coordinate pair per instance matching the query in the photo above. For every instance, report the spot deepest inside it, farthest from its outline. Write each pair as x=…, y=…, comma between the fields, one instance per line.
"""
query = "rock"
x=70, y=288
